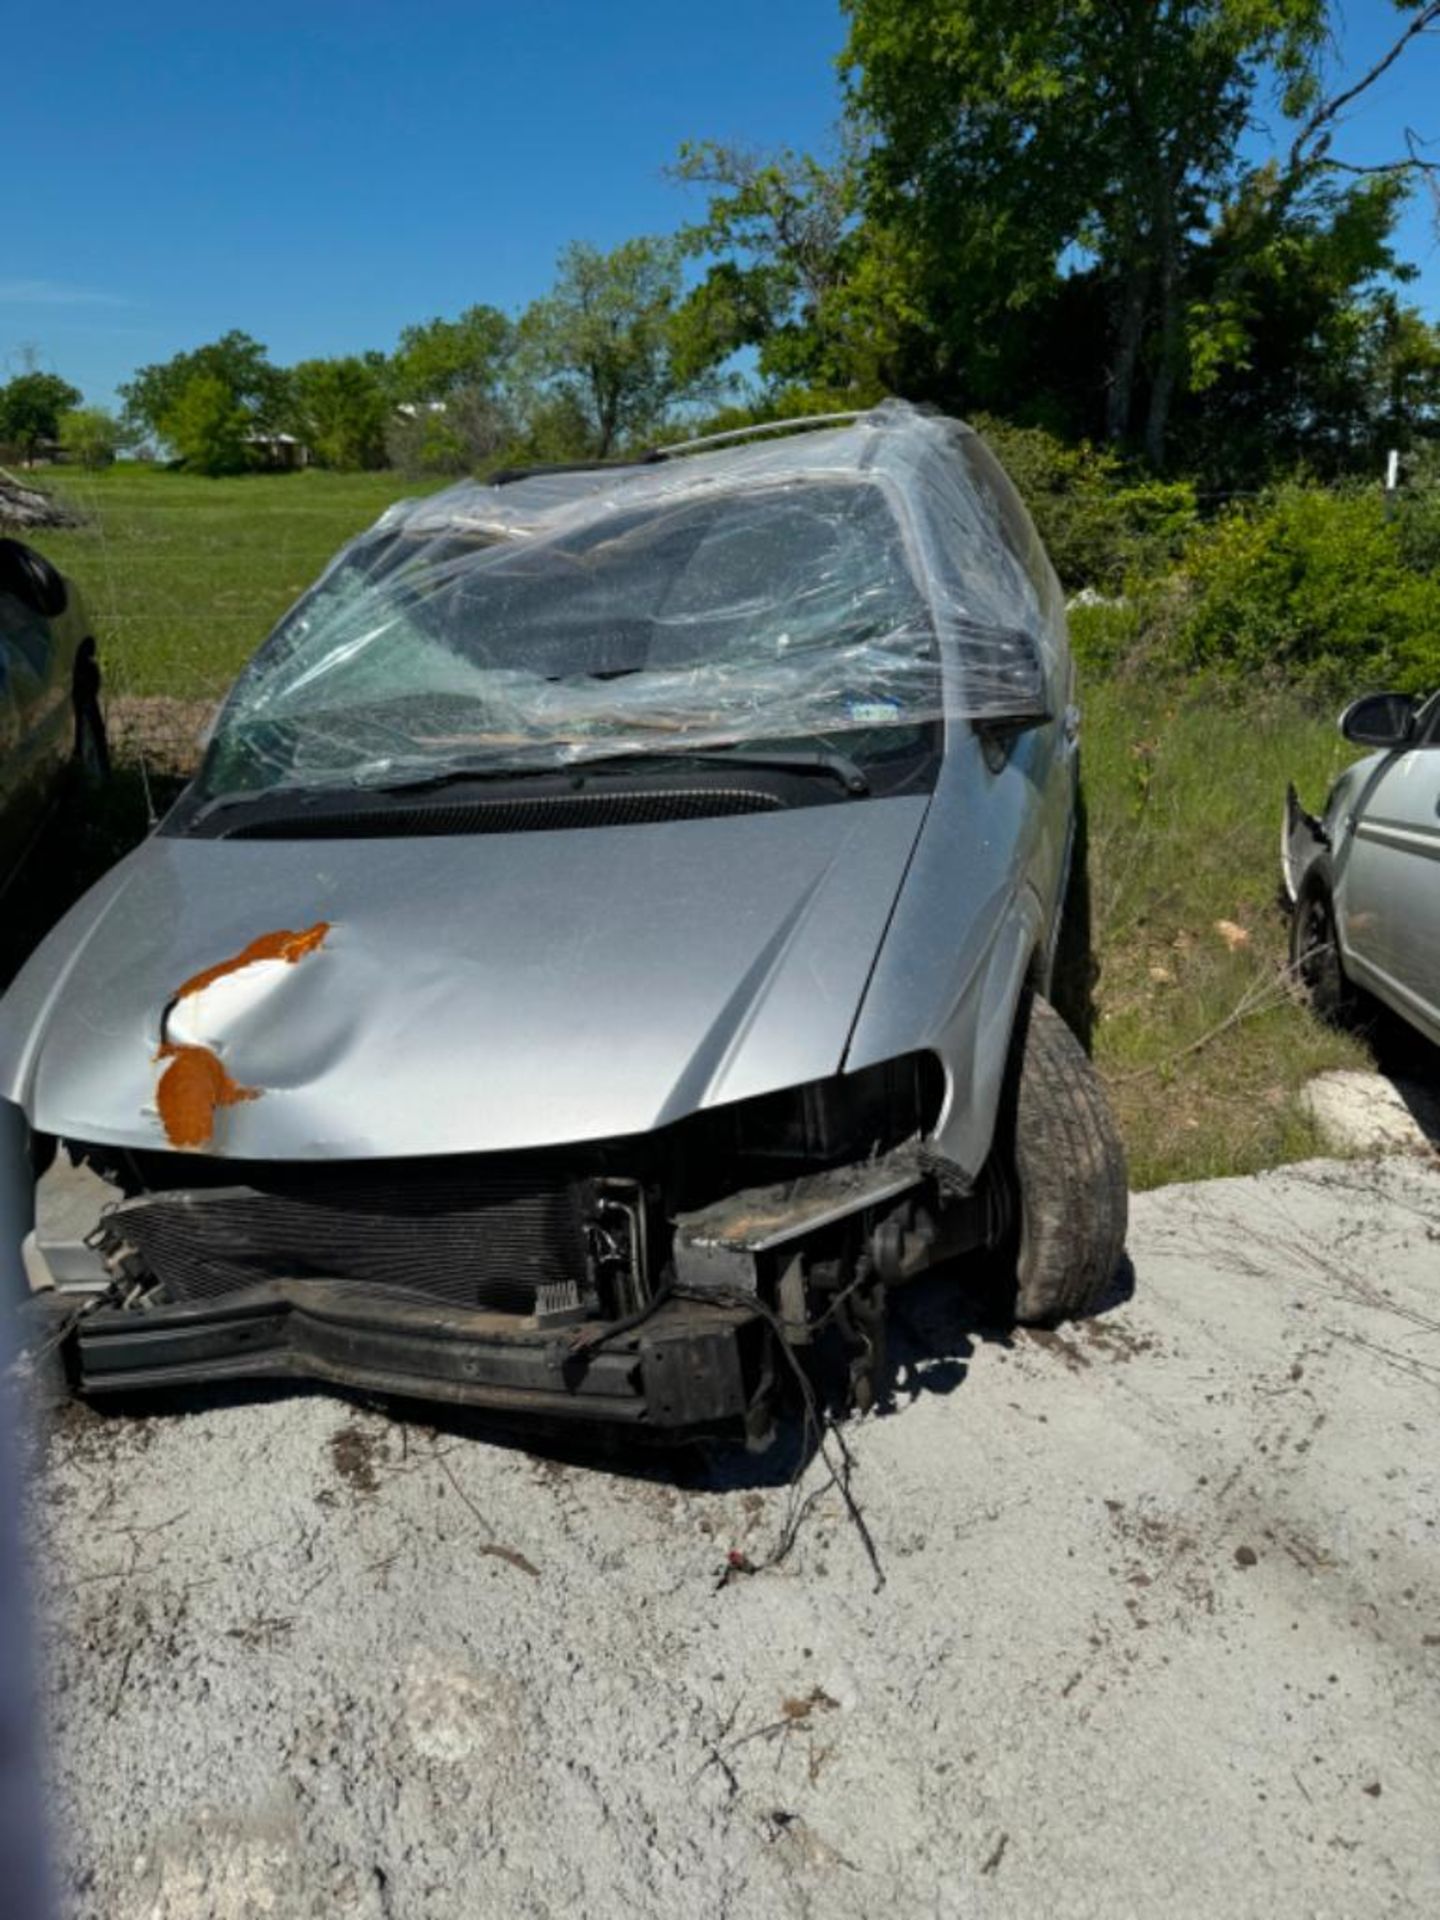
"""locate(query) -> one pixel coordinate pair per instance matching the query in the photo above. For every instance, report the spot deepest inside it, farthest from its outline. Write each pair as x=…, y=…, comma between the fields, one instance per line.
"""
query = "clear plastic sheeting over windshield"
x=825, y=586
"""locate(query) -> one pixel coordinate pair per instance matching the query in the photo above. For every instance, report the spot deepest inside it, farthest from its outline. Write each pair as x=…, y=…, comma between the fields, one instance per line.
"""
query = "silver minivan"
x=607, y=947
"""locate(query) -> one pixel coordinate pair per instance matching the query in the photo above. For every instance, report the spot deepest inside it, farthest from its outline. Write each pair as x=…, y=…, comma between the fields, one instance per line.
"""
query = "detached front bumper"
x=690, y=1368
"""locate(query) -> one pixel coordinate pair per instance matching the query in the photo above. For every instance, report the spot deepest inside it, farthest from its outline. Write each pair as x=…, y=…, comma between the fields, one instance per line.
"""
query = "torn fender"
x=1302, y=840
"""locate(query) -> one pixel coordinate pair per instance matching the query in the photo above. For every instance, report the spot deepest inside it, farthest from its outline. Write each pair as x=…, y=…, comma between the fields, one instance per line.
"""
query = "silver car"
x=1363, y=878
x=50, y=718
x=604, y=950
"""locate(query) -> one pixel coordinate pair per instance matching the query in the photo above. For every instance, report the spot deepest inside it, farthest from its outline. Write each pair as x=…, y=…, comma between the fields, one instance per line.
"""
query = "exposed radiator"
x=480, y=1233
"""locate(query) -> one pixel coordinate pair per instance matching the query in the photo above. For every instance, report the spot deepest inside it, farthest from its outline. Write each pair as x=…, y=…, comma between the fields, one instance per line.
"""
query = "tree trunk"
x=1167, y=365
x=1120, y=399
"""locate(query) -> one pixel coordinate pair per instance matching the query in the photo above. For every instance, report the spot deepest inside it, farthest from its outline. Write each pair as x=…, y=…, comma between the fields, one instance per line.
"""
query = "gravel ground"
x=1159, y=1633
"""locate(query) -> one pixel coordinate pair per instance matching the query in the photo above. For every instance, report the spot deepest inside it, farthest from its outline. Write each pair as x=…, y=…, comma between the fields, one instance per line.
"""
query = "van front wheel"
x=1067, y=1174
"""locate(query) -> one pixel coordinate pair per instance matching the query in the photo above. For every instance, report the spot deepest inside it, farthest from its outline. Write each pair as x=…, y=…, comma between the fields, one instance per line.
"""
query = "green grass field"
x=185, y=576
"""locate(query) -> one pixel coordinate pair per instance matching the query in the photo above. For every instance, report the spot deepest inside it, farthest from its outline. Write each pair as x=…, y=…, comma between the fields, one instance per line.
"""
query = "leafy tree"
x=1020, y=135
x=91, y=436
x=208, y=427
x=780, y=233
x=459, y=434
x=237, y=362
x=1068, y=195
x=1308, y=353
x=30, y=409
x=602, y=352
x=443, y=357
x=339, y=408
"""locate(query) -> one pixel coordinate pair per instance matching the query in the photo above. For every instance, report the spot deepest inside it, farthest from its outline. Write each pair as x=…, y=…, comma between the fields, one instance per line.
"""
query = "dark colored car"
x=50, y=718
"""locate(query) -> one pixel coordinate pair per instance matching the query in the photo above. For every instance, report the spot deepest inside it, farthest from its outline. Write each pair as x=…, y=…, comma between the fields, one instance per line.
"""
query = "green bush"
x=1319, y=588
x=1106, y=635
x=1101, y=527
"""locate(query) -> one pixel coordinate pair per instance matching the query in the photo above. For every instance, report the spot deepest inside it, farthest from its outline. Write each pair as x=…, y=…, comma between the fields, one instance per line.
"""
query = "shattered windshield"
x=780, y=612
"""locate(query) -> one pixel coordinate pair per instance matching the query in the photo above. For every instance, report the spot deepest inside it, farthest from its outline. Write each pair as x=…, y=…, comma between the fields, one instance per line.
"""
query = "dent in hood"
x=468, y=994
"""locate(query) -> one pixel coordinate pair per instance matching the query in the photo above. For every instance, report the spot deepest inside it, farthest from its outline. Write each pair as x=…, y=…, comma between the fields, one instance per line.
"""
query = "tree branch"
x=1414, y=162
x=1328, y=112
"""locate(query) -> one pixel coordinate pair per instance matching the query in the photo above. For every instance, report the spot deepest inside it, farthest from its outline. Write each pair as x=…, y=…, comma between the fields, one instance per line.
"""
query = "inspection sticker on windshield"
x=873, y=713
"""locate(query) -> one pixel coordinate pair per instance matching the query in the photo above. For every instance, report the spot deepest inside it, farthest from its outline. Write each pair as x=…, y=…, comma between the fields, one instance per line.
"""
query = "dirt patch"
x=167, y=732
x=1113, y=1339
x=1061, y=1346
x=355, y=1454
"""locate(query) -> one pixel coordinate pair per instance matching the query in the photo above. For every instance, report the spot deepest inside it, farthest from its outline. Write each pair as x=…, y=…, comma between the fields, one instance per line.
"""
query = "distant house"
x=279, y=452
x=45, y=453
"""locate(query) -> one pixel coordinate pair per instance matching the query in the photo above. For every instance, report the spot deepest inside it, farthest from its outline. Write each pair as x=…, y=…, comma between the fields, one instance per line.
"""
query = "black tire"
x=30, y=577
x=92, y=749
x=1075, y=972
x=1070, y=1184
x=91, y=755
x=1315, y=953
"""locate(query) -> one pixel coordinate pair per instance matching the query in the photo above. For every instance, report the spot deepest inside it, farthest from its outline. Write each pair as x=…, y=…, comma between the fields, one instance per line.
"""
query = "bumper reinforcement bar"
x=690, y=1368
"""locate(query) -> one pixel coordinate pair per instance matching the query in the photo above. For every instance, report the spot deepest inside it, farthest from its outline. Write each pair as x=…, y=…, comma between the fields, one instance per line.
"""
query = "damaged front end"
x=647, y=1282
x=1303, y=839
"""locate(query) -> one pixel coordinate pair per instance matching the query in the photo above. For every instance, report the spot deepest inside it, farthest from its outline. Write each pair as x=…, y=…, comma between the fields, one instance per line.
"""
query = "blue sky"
x=323, y=172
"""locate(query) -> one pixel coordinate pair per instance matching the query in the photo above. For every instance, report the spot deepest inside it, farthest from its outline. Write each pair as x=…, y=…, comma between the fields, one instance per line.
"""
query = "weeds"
x=1185, y=787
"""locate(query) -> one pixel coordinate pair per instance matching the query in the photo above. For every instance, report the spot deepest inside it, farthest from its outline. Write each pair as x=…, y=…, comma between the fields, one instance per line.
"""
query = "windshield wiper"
x=333, y=795
x=451, y=776
x=826, y=761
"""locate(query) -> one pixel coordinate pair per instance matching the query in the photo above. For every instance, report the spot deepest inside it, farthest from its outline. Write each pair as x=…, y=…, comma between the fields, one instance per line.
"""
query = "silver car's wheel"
x=1315, y=955
x=1069, y=1175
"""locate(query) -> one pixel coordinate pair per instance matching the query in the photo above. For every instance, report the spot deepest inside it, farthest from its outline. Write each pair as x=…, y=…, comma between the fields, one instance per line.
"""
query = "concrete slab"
x=1159, y=1632
x=1370, y=1113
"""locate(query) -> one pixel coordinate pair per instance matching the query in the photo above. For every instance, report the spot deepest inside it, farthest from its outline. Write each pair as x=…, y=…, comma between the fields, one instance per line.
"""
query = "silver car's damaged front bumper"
x=691, y=1367
x=182, y=1288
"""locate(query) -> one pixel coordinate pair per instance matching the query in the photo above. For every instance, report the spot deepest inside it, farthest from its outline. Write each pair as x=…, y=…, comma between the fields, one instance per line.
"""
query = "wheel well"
x=1316, y=881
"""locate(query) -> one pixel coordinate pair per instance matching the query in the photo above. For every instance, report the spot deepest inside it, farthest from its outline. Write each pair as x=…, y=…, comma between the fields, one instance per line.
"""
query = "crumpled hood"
x=471, y=994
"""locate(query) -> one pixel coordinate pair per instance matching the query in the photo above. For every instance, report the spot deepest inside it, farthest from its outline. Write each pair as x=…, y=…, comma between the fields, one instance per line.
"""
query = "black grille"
x=533, y=813
x=474, y=1234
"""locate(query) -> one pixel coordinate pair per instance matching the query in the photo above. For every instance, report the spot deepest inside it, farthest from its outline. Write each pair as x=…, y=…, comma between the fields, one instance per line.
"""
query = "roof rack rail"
x=797, y=423
x=507, y=476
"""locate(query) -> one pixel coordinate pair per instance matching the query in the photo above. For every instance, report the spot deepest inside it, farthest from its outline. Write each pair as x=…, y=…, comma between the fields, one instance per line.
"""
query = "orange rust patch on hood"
x=282, y=945
x=192, y=1086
